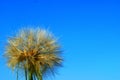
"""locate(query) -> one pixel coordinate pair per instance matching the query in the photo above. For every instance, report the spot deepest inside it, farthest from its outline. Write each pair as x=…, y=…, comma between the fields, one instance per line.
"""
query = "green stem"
x=17, y=74
x=25, y=74
x=40, y=76
x=30, y=76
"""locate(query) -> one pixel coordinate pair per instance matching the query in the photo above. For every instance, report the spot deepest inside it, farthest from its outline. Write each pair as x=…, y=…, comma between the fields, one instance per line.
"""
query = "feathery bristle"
x=33, y=49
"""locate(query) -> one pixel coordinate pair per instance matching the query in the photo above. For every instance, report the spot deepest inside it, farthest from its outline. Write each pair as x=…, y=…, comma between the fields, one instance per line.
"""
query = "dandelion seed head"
x=33, y=49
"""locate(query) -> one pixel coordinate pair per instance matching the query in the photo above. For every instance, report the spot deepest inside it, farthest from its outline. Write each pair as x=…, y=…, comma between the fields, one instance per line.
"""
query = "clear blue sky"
x=89, y=32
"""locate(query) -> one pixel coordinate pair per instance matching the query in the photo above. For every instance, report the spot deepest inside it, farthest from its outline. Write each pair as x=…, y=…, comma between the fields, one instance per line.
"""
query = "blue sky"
x=89, y=32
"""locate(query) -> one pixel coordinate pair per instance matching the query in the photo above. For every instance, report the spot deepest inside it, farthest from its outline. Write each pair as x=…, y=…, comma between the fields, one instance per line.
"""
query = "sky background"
x=89, y=33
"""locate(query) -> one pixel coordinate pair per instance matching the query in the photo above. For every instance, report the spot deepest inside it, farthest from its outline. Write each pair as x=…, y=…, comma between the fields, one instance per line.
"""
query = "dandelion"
x=35, y=51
